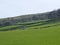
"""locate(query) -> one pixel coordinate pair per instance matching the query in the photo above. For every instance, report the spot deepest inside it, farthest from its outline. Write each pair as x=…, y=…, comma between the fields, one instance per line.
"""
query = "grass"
x=29, y=36
x=47, y=34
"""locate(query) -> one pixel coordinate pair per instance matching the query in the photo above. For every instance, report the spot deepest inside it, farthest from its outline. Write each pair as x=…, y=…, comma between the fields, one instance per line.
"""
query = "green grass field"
x=32, y=36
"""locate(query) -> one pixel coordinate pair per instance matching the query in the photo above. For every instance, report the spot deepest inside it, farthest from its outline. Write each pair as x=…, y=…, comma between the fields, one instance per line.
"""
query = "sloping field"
x=30, y=24
x=32, y=36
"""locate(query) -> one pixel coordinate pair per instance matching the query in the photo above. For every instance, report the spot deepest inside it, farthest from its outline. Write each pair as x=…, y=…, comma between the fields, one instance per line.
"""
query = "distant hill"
x=53, y=15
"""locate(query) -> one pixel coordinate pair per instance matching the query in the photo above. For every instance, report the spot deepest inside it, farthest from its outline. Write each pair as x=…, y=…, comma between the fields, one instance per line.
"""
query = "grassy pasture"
x=36, y=34
x=31, y=36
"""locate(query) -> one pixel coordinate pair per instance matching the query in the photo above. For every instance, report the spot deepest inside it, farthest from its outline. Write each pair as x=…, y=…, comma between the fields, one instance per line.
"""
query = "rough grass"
x=31, y=36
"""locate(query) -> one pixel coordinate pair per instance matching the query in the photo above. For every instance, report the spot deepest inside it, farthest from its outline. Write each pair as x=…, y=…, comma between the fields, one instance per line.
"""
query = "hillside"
x=30, y=20
x=33, y=29
x=53, y=15
x=36, y=35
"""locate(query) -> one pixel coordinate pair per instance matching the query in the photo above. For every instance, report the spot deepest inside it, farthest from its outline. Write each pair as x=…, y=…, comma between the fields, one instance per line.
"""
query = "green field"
x=48, y=34
x=31, y=29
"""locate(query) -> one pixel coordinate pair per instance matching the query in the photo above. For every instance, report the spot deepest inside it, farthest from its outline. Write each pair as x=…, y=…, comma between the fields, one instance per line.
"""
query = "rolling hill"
x=32, y=29
x=36, y=35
